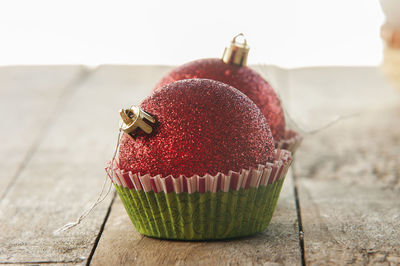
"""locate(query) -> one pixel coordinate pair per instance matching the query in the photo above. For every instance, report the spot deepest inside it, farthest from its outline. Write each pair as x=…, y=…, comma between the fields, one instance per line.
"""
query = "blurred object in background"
x=390, y=33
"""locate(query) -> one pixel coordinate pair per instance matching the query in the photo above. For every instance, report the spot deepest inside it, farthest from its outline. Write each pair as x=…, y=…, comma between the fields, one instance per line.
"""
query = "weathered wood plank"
x=349, y=224
x=349, y=203
x=360, y=150
x=348, y=176
x=349, y=184
x=317, y=95
x=29, y=96
x=121, y=244
x=65, y=174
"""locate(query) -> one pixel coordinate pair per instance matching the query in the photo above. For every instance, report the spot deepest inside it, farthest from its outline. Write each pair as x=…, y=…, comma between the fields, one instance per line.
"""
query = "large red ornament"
x=202, y=126
x=239, y=76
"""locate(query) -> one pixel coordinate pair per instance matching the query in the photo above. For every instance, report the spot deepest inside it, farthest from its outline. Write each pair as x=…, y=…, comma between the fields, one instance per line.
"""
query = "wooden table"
x=339, y=205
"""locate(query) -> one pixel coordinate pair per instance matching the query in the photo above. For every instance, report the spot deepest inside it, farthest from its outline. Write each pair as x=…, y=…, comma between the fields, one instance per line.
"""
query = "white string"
x=326, y=125
x=100, y=198
x=303, y=130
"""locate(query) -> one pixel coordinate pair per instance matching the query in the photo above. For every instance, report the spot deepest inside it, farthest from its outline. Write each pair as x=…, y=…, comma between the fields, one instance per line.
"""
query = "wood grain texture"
x=318, y=95
x=356, y=151
x=349, y=224
x=66, y=172
x=348, y=175
x=28, y=98
x=121, y=244
x=349, y=189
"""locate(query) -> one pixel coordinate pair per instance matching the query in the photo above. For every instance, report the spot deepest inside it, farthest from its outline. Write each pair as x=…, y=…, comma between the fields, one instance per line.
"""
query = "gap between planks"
x=66, y=94
x=298, y=212
x=62, y=99
x=101, y=229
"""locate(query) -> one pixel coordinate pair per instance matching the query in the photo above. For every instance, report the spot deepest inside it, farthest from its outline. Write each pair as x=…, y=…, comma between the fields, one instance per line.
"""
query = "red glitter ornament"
x=232, y=71
x=202, y=126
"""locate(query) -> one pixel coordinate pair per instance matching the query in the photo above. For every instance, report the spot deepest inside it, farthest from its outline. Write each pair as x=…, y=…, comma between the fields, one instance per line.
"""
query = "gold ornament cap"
x=136, y=118
x=236, y=53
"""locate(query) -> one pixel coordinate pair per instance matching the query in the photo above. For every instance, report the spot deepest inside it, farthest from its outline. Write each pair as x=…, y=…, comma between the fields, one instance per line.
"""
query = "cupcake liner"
x=203, y=207
x=290, y=141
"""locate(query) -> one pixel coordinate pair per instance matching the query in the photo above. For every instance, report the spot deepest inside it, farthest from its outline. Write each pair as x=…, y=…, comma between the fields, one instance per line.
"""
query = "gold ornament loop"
x=134, y=118
x=244, y=39
x=236, y=53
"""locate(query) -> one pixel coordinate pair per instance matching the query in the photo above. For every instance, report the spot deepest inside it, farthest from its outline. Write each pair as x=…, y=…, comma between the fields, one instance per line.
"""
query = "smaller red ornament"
x=201, y=127
x=232, y=70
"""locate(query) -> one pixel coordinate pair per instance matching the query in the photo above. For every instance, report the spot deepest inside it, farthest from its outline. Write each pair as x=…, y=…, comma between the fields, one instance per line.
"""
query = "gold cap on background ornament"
x=236, y=53
x=134, y=118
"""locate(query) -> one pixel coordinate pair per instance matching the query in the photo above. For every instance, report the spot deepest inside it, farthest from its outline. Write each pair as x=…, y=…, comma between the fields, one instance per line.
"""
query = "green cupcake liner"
x=201, y=216
x=203, y=208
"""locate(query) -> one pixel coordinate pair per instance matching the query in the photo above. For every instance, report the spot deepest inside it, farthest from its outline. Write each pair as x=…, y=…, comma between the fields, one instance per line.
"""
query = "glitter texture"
x=242, y=78
x=203, y=126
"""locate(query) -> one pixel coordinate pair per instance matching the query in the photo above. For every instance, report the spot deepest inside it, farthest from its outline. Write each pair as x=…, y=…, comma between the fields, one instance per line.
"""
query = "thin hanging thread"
x=100, y=198
x=326, y=125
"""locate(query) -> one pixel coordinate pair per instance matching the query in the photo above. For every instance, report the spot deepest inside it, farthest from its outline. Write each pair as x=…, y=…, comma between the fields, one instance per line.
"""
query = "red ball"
x=203, y=126
x=242, y=78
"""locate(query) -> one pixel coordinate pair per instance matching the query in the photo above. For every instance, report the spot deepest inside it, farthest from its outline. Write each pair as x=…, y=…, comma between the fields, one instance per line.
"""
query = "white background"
x=288, y=33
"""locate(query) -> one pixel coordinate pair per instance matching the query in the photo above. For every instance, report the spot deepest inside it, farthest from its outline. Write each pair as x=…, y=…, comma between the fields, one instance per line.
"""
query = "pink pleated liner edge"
x=247, y=178
x=290, y=141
